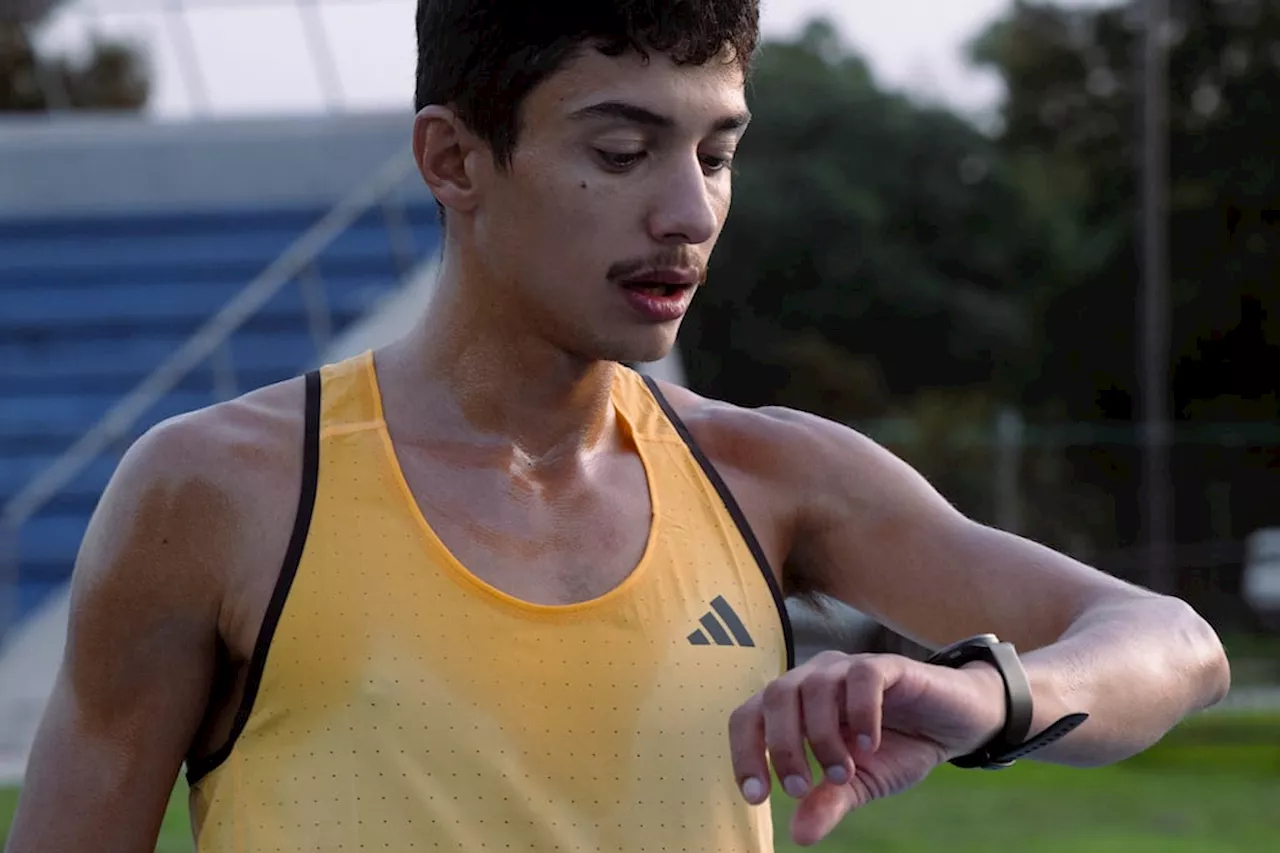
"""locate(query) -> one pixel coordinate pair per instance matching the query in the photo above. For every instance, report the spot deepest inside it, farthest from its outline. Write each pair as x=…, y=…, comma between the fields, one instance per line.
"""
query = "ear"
x=442, y=146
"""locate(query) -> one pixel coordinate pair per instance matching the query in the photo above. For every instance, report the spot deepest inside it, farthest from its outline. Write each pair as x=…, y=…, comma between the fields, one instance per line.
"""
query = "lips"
x=670, y=278
x=660, y=296
x=654, y=288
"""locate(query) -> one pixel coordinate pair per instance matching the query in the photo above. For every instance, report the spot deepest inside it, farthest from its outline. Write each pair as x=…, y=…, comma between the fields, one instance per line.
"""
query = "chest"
x=393, y=654
x=508, y=723
x=545, y=541
x=630, y=689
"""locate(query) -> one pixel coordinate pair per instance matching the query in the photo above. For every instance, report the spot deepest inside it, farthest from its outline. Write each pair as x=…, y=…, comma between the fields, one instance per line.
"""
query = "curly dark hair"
x=483, y=57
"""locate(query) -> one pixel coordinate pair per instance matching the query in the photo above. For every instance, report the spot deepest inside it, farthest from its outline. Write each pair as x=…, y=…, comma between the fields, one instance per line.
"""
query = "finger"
x=784, y=736
x=820, y=812
x=821, y=705
x=747, y=749
x=866, y=679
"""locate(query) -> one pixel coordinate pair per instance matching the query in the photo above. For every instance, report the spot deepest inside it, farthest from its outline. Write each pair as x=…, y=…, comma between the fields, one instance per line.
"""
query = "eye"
x=715, y=164
x=619, y=161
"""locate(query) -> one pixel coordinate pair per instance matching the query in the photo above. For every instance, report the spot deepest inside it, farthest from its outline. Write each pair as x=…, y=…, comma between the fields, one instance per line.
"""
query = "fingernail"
x=753, y=790
x=864, y=743
x=837, y=774
x=795, y=786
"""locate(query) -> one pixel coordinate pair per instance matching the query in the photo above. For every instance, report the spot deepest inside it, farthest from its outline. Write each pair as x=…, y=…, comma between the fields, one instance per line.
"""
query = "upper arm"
x=867, y=529
x=140, y=654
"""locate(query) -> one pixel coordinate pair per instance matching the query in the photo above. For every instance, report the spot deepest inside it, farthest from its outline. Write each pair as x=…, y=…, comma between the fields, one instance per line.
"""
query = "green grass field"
x=1213, y=786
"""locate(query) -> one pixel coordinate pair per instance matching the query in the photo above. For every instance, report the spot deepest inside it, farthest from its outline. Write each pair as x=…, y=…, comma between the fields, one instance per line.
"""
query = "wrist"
x=993, y=712
x=1051, y=701
x=979, y=656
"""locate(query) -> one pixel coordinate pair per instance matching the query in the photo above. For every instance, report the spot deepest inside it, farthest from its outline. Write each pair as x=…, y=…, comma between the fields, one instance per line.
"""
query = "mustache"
x=675, y=257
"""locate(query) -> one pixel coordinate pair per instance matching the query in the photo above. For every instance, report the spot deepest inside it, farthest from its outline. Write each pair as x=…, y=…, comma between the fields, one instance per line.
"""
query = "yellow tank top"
x=395, y=701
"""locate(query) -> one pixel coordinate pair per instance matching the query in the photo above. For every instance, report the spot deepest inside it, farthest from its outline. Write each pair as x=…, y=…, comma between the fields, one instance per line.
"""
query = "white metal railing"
x=210, y=343
x=173, y=22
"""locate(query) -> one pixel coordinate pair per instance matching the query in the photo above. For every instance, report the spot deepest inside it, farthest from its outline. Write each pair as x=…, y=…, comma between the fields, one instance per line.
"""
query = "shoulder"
x=771, y=441
x=815, y=469
x=230, y=445
x=191, y=523
x=199, y=495
x=839, y=506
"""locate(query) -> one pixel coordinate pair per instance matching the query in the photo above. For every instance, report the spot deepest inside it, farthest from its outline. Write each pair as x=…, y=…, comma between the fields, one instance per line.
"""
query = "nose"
x=685, y=206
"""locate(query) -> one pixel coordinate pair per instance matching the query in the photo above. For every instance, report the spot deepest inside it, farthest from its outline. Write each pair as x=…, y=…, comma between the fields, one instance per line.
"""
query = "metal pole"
x=400, y=235
x=319, y=317
x=188, y=59
x=48, y=76
x=1157, y=497
x=321, y=50
x=10, y=575
x=224, y=373
x=1009, y=440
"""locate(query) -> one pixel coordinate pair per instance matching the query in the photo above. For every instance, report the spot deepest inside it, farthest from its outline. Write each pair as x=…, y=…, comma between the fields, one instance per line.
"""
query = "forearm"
x=1137, y=667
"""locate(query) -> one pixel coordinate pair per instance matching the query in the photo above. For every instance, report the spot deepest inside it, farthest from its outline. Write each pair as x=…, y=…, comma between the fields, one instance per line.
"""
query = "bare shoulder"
x=786, y=447
x=817, y=493
x=731, y=435
x=795, y=474
x=233, y=449
x=248, y=428
x=170, y=575
x=200, y=502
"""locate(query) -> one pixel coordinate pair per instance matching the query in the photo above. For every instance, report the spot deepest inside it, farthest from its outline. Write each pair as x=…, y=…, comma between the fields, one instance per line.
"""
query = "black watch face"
x=964, y=648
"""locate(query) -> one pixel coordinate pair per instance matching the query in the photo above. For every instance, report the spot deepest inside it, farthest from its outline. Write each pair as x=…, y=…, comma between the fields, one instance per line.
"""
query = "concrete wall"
x=94, y=163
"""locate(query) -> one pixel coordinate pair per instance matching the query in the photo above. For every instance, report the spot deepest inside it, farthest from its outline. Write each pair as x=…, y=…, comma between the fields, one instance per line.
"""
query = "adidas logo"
x=715, y=629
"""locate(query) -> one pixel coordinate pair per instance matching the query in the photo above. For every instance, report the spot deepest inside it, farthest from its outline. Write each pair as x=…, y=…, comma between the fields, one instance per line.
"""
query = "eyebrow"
x=642, y=116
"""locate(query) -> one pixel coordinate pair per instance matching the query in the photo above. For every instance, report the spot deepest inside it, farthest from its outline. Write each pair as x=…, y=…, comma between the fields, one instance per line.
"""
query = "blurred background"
x=1033, y=248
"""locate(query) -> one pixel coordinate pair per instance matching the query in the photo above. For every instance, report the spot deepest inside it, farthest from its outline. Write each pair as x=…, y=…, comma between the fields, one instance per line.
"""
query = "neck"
x=484, y=374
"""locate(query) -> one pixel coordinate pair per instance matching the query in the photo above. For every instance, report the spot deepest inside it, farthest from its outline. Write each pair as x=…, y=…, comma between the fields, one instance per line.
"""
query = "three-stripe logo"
x=715, y=629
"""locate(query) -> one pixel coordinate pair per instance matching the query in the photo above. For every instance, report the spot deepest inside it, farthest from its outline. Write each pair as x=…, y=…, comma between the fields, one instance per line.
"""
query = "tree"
x=112, y=76
x=865, y=229
x=888, y=259
x=1070, y=129
x=876, y=251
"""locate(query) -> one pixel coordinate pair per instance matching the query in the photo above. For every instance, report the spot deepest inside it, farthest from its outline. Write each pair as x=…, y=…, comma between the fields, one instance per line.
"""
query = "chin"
x=652, y=344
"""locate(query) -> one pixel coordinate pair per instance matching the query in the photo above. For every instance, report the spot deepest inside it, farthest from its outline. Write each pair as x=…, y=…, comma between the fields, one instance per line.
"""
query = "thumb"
x=819, y=813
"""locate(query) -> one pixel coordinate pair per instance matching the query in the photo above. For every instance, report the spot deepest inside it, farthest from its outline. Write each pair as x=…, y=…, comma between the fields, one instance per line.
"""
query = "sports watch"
x=1010, y=743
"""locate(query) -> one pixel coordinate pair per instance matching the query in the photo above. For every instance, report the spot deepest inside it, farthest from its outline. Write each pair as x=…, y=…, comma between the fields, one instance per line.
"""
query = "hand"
x=878, y=724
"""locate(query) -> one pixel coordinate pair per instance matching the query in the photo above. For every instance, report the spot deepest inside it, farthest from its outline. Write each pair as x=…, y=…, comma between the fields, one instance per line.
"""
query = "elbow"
x=1217, y=673
x=1204, y=659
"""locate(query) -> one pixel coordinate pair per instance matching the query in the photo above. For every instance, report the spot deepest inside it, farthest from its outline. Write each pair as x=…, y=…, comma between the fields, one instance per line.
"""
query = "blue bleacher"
x=90, y=305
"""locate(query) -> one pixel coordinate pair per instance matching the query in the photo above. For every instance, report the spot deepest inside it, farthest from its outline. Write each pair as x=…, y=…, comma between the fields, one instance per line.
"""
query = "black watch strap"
x=1061, y=728
x=1011, y=743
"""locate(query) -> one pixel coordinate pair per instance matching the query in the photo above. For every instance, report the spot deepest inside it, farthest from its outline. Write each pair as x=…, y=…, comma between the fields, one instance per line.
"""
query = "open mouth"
x=658, y=301
x=653, y=288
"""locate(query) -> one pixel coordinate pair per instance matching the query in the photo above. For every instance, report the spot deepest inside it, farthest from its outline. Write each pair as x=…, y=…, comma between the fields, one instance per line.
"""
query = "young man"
x=488, y=589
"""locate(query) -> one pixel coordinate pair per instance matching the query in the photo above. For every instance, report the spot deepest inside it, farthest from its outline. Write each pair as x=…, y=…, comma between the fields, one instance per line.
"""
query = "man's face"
x=601, y=229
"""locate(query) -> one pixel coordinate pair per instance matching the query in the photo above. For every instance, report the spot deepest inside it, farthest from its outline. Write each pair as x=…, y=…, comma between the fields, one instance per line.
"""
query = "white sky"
x=254, y=58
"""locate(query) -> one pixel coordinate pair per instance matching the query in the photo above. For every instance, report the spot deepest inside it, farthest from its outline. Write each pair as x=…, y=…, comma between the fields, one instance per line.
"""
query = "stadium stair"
x=89, y=306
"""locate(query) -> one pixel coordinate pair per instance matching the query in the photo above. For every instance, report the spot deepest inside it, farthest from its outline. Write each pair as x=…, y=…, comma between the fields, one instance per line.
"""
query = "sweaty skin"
x=499, y=409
